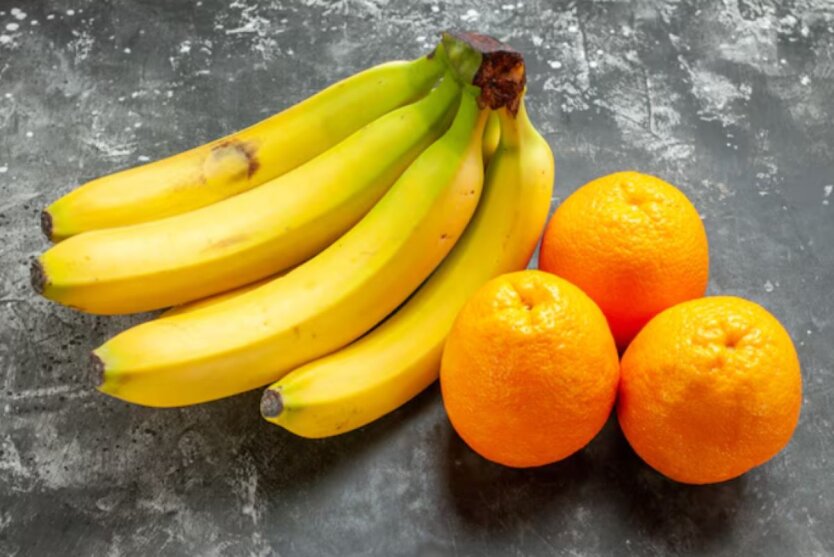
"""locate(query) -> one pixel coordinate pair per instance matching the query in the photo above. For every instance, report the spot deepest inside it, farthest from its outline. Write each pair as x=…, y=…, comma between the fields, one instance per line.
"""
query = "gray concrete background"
x=731, y=100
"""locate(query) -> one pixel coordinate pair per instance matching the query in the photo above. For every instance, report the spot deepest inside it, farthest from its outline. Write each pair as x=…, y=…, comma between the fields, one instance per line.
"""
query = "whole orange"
x=633, y=243
x=529, y=371
x=710, y=388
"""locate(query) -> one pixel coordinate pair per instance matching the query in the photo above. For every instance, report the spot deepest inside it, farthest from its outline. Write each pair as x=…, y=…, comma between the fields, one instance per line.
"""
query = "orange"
x=633, y=243
x=529, y=371
x=710, y=389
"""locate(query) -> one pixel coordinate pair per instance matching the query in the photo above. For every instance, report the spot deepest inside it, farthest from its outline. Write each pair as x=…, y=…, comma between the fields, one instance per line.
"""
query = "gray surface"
x=730, y=100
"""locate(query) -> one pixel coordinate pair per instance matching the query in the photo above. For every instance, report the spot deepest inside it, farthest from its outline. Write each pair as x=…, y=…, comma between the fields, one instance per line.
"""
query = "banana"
x=492, y=135
x=211, y=301
x=321, y=305
x=243, y=160
x=401, y=357
x=246, y=237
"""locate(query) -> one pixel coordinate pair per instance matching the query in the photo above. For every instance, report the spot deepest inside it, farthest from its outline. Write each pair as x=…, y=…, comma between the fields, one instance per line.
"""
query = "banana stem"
x=496, y=69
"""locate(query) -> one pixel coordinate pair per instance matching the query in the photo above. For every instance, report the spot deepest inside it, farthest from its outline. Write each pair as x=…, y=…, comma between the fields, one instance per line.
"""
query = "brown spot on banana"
x=231, y=159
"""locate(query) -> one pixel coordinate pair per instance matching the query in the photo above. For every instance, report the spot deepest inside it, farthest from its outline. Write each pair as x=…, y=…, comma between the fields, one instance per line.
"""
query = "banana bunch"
x=327, y=248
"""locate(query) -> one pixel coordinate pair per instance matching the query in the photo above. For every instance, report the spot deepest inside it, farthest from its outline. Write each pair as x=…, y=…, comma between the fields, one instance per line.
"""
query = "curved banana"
x=492, y=135
x=401, y=357
x=240, y=161
x=247, y=237
x=321, y=305
x=211, y=301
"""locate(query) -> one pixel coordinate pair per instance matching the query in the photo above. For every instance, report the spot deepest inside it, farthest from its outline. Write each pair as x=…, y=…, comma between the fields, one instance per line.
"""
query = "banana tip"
x=96, y=370
x=271, y=404
x=37, y=275
x=46, y=224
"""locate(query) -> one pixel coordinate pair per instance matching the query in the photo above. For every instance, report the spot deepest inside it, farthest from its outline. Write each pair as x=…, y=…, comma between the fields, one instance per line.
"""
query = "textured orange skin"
x=633, y=243
x=710, y=389
x=530, y=370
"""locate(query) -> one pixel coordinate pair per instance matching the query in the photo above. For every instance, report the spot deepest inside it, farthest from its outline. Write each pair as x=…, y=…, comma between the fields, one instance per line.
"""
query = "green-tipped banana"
x=401, y=357
x=243, y=160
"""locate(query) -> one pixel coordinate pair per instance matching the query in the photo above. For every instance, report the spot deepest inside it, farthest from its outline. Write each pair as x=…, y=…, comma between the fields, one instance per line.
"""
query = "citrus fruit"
x=529, y=371
x=633, y=243
x=710, y=388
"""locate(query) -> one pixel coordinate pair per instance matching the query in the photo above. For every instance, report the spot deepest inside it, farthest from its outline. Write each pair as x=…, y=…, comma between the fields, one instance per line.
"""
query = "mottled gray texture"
x=731, y=100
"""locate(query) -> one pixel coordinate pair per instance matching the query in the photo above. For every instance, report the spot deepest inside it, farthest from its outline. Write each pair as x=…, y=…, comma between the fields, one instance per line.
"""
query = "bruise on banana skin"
x=245, y=149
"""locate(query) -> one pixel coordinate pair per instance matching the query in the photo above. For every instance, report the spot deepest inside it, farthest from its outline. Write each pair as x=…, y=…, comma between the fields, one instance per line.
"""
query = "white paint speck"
x=33, y=22
x=127, y=51
x=626, y=31
x=70, y=12
x=50, y=17
x=8, y=95
x=143, y=158
x=805, y=80
x=29, y=134
x=470, y=15
x=4, y=169
x=435, y=9
x=508, y=7
x=18, y=14
x=768, y=286
x=592, y=64
x=537, y=40
x=826, y=193
x=185, y=47
x=555, y=64
x=12, y=26
x=137, y=125
x=5, y=39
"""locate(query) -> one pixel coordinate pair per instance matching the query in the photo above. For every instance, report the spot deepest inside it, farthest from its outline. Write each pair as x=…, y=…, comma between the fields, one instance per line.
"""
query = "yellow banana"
x=246, y=237
x=245, y=159
x=321, y=305
x=492, y=135
x=210, y=301
x=401, y=357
